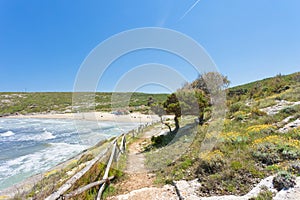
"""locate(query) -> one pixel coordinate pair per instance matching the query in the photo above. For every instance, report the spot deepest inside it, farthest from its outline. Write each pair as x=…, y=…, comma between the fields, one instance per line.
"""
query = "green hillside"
x=260, y=137
x=61, y=102
x=277, y=85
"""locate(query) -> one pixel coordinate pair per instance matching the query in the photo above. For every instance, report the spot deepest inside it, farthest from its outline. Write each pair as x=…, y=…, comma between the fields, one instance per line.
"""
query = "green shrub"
x=238, y=106
x=227, y=181
x=187, y=163
x=264, y=194
x=84, y=158
x=288, y=110
x=267, y=153
x=236, y=165
x=162, y=140
x=261, y=129
x=211, y=162
x=240, y=116
x=274, y=148
x=295, y=167
x=109, y=191
x=255, y=112
x=233, y=137
x=284, y=180
x=273, y=168
x=266, y=103
x=290, y=152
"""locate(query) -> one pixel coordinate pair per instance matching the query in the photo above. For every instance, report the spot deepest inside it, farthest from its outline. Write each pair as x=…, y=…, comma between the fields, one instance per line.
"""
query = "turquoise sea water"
x=31, y=146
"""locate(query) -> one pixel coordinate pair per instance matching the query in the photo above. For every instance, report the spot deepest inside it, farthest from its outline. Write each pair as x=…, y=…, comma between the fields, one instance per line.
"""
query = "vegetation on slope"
x=264, y=88
x=61, y=102
x=249, y=148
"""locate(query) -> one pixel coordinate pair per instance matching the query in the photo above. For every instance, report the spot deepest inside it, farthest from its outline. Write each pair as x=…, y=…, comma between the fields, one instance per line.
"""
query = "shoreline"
x=92, y=116
x=28, y=183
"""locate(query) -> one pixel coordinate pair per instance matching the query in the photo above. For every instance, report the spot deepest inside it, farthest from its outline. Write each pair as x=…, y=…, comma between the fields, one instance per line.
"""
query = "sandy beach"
x=95, y=116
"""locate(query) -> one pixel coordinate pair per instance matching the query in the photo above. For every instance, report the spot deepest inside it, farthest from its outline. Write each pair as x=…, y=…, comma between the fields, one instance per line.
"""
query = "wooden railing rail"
x=115, y=153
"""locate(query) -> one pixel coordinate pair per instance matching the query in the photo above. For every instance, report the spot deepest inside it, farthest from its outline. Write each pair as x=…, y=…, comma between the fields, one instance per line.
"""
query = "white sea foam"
x=46, y=135
x=38, y=161
x=7, y=134
x=63, y=135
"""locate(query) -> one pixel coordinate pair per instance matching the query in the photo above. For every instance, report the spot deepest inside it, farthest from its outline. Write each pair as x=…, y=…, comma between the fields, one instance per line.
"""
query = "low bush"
x=233, y=137
x=273, y=168
x=288, y=110
x=162, y=140
x=284, y=180
x=264, y=194
x=240, y=116
x=211, y=162
x=227, y=182
x=294, y=167
x=238, y=106
x=261, y=129
x=267, y=153
x=255, y=112
x=236, y=165
x=273, y=149
x=289, y=152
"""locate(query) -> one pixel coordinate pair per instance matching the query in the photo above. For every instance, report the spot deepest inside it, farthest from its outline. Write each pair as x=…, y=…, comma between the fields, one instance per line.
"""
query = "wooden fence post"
x=114, y=156
x=123, y=143
x=107, y=171
x=76, y=177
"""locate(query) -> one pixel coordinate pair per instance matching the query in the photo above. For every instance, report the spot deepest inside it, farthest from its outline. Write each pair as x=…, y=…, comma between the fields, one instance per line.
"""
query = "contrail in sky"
x=189, y=10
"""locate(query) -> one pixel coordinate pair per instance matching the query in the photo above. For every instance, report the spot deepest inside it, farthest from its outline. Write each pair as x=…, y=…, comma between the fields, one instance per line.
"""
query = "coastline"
x=93, y=116
x=28, y=183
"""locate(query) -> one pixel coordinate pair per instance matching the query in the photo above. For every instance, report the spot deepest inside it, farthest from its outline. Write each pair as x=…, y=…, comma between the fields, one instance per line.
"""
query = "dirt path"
x=135, y=157
x=136, y=174
x=138, y=183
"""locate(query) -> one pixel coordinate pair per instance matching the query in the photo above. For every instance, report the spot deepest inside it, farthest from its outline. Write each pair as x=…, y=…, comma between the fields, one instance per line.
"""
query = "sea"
x=32, y=146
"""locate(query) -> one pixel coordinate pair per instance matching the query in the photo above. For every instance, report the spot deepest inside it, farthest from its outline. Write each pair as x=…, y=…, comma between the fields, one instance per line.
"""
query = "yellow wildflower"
x=212, y=155
x=49, y=173
x=264, y=128
x=278, y=140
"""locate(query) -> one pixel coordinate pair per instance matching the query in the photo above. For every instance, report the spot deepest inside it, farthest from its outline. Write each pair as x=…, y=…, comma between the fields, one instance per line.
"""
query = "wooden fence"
x=116, y=151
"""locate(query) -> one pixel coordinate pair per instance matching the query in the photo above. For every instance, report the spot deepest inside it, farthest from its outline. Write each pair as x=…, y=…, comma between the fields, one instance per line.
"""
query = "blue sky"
x=43, y=43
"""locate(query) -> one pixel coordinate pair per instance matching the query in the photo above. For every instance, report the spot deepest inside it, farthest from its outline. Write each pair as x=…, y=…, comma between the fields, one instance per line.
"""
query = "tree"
x=183, y=102
x=194, y=98
x=209, y=82
x=150, y=101
x=193, y=102
x=159, y=109
x=172, y=106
